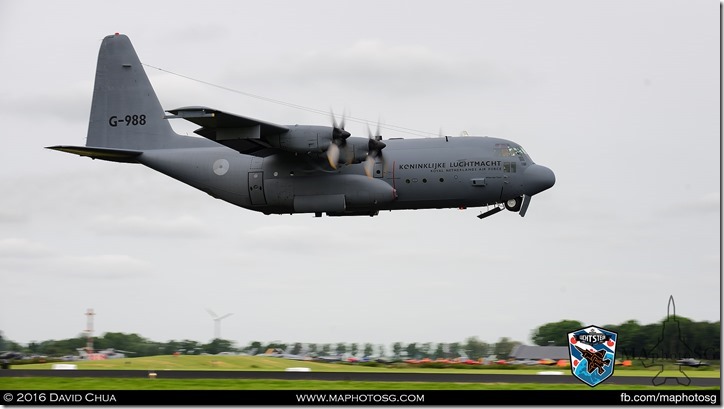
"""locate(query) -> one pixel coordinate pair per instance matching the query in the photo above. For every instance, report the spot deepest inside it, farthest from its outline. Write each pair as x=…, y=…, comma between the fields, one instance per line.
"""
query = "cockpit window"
x=518, y=151
x=506, y=150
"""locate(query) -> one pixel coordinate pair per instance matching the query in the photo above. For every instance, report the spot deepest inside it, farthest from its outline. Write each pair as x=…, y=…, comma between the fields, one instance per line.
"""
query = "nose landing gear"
x=514, y=204
x=518, y=204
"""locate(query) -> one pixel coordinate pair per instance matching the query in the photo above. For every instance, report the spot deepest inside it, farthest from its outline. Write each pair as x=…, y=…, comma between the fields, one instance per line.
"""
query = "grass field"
x=251, y=363
x=255, y=384
x=256, y=363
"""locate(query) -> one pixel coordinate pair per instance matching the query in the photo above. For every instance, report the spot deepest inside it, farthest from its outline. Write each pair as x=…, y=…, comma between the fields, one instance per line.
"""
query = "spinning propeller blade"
x=339, y=140
x=333, y=155
x=369, y=165
x=374, y=149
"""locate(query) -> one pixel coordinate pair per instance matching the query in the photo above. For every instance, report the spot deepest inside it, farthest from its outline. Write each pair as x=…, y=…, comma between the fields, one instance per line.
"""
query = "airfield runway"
x=345, y=376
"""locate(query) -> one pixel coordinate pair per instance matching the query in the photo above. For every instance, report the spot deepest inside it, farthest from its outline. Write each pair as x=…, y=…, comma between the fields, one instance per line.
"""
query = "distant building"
x=536, y=352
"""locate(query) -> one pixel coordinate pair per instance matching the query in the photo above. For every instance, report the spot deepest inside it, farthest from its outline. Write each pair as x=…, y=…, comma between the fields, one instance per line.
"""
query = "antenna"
x=89, y=330
x=217, y=322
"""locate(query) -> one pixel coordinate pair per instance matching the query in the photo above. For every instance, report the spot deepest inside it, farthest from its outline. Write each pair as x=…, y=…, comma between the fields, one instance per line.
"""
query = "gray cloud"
x=102, y=267
x=18, y=248
x=182, y=227
x=8, y=217
x=68, y=103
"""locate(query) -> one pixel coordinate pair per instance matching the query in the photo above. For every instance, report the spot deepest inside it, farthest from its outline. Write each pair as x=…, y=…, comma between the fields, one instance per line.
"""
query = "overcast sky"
x=621, y=99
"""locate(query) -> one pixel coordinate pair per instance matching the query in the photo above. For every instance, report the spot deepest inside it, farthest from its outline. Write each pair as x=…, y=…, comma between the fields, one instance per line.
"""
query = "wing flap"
x=245, y=135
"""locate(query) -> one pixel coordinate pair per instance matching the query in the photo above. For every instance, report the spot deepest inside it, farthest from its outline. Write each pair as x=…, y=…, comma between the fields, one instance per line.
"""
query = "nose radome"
x=538, y=178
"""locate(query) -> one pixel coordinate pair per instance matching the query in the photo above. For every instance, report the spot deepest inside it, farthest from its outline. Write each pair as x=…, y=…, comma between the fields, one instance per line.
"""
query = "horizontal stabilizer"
x=109, y=154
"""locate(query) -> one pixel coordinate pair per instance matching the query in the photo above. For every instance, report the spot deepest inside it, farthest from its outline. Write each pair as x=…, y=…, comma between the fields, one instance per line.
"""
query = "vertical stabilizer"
x=125, y=113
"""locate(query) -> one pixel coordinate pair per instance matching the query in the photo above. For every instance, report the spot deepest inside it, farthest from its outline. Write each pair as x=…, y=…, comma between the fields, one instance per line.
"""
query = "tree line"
x=136, y=346
x=668, y=339
x=671, y=338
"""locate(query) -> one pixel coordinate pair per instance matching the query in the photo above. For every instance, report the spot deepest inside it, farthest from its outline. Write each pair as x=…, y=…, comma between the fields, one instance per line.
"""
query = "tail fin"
x=126, y=113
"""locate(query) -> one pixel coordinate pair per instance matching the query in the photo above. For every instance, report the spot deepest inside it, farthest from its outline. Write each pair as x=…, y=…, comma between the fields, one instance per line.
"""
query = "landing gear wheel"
x=514, y=204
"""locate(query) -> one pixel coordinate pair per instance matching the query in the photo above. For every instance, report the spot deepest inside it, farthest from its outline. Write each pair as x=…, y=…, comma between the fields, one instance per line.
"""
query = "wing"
x=258, y=138
x=246, y=135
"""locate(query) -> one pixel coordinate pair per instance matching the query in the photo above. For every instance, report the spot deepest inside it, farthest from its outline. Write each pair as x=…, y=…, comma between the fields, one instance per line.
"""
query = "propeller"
x=374, y=150
x=339, y=140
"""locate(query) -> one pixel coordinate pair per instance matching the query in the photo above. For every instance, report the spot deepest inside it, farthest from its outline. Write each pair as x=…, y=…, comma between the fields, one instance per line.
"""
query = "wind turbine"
x=217, y=322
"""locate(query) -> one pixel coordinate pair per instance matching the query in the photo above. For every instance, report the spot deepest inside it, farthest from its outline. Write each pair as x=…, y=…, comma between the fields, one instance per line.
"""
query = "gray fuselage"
x=428, y=173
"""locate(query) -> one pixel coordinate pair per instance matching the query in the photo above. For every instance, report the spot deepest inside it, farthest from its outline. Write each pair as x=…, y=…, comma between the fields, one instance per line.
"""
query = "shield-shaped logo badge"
x=593, y=353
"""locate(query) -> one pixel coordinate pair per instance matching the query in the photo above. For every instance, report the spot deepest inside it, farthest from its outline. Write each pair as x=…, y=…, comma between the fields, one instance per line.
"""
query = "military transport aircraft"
x=286, y=169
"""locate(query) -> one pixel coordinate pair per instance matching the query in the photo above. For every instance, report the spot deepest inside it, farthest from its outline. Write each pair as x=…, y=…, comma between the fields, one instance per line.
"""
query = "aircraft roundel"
x=221, y=166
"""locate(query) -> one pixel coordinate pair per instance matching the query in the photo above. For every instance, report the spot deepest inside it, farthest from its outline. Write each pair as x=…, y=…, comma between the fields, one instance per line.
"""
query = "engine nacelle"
x=356, y=148
x=303, y=139
x=313, y=139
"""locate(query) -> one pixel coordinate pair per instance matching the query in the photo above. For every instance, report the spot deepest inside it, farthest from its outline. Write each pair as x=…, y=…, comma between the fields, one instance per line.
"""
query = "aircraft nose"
x=538, y=178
